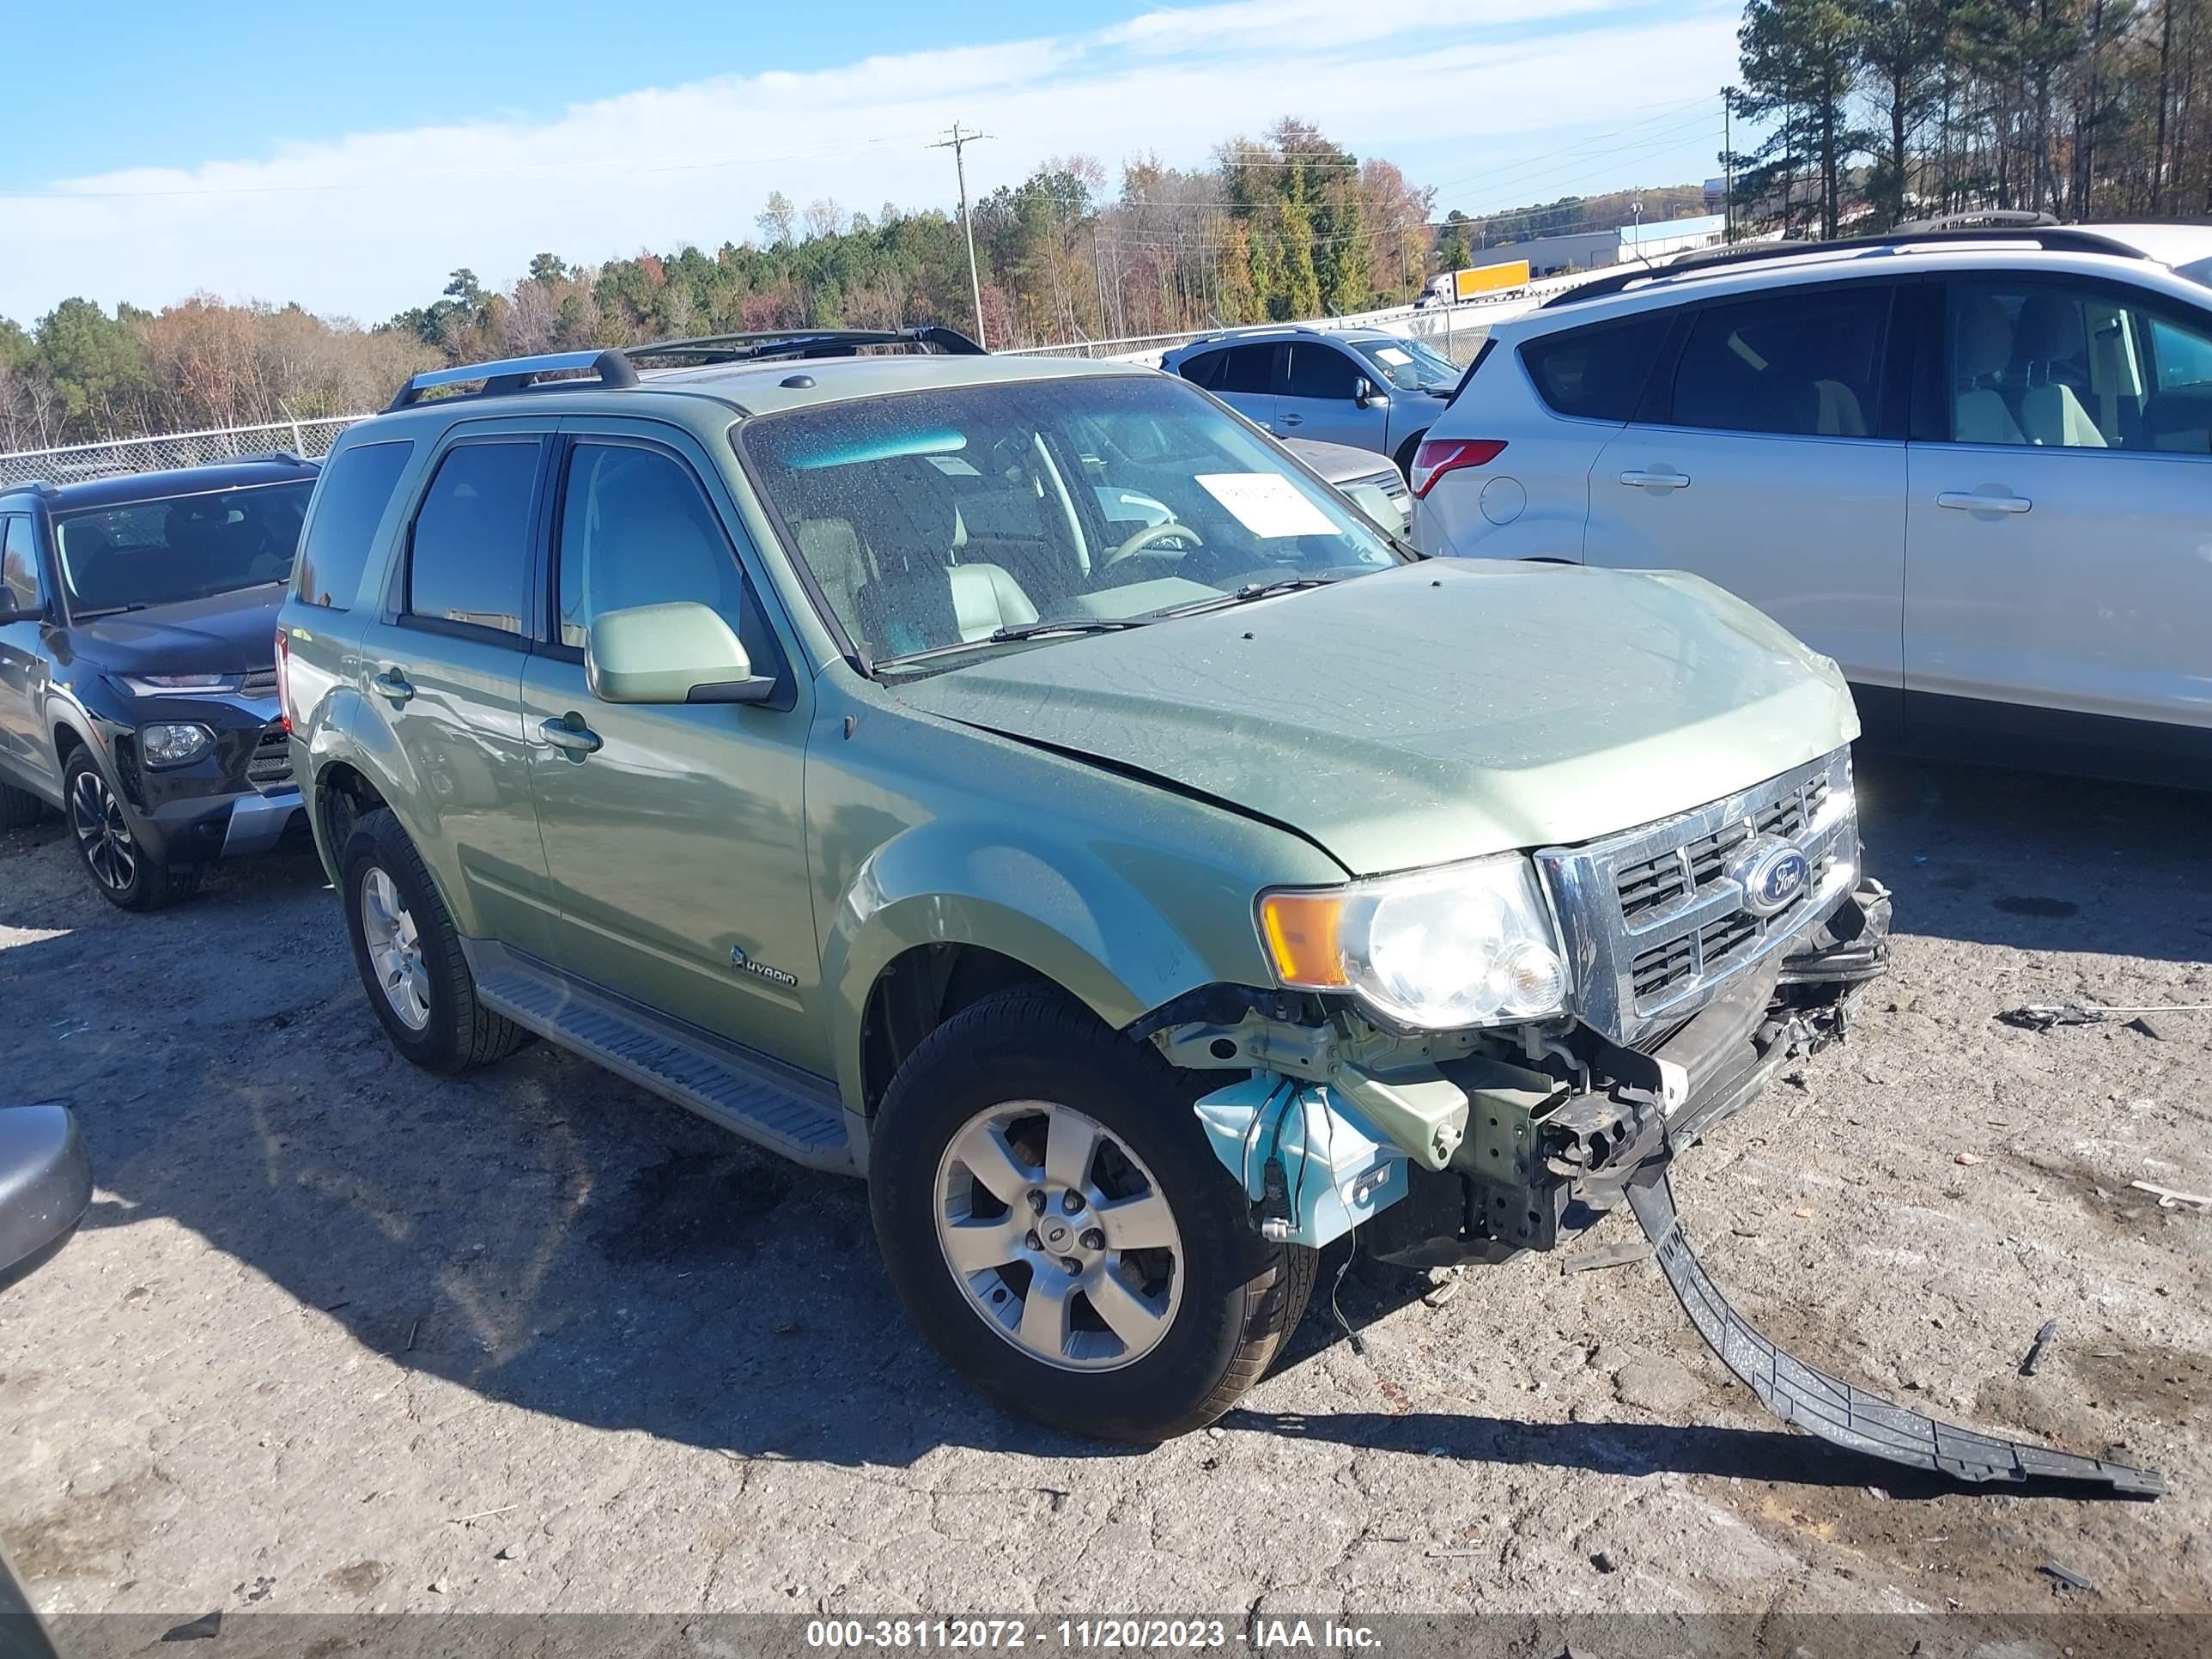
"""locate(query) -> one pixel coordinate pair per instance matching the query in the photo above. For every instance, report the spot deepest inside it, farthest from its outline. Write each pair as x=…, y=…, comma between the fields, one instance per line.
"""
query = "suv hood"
x=1440, y=711
x=227, y=633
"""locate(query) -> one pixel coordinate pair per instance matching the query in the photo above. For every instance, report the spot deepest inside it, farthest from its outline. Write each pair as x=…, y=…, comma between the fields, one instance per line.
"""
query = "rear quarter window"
x=356, y=489
x=1596, y=374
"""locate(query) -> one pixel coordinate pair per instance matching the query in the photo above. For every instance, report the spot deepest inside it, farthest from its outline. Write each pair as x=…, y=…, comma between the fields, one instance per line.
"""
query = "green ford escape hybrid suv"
x=1020, y=782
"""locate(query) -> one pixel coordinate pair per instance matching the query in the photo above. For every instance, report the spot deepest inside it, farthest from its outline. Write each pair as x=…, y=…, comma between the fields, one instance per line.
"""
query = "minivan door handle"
x=1637, y=478
x=575, y=741
x=1965, y=501
x=393, y=684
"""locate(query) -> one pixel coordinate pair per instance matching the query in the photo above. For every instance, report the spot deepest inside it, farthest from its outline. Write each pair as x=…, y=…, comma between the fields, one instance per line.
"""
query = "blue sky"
x=348, y=157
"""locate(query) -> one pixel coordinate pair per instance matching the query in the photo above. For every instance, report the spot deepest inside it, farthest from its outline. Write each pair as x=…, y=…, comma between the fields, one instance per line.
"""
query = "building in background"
x=1593, y=250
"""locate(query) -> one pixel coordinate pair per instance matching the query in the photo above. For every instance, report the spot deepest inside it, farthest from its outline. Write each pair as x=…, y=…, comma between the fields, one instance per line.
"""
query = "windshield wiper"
x=1244, y=595
x=104, y=611
x=1065, y=625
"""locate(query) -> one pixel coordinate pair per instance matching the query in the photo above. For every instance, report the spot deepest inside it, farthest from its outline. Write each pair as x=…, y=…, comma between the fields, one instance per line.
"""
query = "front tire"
x=1055, y=1222
x=409, y=953
x=127, y=874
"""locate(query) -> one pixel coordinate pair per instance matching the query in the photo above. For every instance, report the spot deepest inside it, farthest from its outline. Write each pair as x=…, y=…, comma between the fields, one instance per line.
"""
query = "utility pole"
x=956, y=141
x=1727, y=166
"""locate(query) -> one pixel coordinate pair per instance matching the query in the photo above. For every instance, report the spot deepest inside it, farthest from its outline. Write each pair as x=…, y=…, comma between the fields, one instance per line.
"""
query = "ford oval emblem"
x=1772, y=872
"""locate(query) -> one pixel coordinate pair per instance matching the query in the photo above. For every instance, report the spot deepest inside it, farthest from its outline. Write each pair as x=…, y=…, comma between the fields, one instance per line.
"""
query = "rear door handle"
x=393, y=684
x=1636, y=478
x=573, y=741
x=1964, y=501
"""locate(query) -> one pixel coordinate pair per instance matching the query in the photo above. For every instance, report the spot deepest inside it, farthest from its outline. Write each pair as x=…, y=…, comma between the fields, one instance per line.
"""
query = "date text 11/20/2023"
x=1090, y=1635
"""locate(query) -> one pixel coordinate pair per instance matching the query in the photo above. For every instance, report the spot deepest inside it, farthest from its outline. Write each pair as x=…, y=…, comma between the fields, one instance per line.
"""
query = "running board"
x=749, y=1095
x=1830, y=1408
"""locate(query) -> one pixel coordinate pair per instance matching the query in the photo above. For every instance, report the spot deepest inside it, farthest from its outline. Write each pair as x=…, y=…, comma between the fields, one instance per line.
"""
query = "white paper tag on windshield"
x=1392, y=355
x=1267, y=503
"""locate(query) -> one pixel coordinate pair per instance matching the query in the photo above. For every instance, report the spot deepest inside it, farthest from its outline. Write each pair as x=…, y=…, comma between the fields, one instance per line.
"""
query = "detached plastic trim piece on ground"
x=1830, y=1408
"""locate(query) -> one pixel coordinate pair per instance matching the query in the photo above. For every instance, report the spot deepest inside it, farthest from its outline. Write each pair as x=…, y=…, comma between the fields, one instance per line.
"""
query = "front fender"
x=1122, y=926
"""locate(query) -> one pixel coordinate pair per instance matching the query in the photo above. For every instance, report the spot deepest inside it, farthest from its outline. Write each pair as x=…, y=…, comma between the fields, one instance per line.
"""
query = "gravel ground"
x=340, y=1337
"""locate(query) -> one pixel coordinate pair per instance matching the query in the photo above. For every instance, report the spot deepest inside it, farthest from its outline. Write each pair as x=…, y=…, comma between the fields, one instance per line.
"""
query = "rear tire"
x=408, y=954
x=19, y=808
x=1145, y=1341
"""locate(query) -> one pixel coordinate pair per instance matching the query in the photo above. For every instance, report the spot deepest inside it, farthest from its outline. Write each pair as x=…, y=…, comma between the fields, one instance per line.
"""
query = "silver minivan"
x=1974, y=468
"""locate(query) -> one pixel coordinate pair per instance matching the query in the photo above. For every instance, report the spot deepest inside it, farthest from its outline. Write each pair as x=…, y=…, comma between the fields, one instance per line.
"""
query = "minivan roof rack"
x=614, y=366
x=2052, y=238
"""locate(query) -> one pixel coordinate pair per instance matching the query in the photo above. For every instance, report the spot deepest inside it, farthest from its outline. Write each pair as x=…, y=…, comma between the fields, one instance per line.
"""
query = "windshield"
x=941, y=519
x=1409, y=365
x=179, y=547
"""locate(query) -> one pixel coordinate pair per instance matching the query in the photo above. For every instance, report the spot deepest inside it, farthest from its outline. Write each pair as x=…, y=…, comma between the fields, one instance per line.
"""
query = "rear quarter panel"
x=1533, y=502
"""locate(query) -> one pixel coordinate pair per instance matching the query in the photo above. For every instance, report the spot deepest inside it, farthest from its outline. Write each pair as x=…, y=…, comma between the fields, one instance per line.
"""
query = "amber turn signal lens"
x=1304, y=934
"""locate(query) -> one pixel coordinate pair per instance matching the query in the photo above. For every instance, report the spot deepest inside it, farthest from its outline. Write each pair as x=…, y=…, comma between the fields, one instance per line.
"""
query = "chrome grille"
x=269, y=768
x=259, y=683
x=1654, y=923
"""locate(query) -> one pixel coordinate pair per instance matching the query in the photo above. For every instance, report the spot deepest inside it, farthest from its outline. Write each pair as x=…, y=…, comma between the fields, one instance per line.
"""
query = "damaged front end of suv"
x=1465, y=1064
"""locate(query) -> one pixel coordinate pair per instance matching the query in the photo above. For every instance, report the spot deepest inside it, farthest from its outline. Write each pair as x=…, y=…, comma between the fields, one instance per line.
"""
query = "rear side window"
x=1596, y=374
x=1251, y=368
x=1205, y=369
x=1805, y=364
x=356, y=487
x=469, y=558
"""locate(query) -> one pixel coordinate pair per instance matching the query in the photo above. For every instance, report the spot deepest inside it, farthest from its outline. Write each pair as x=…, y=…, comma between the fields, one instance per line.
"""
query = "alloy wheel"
x=1059, y=1237
x=103, y=835
x=395, y=948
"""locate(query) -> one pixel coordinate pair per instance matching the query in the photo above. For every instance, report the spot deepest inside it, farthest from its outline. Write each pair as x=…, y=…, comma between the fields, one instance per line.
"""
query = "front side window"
x=19, y=565
x=939, y=519
x=178, y=548
x=469, y=556
x=635, y=529
x=1409, y=365
x=1804, y=363
x=2065, y=366
x=1320, y=371
x=356, y=487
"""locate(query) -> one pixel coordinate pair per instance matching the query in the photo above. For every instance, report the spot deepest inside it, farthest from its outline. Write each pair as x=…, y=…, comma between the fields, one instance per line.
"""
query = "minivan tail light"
x=1437, y=456
x=283, y=683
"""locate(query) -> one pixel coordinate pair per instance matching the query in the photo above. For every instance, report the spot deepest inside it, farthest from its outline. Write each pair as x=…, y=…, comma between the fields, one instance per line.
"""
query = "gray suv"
x=1357, y=386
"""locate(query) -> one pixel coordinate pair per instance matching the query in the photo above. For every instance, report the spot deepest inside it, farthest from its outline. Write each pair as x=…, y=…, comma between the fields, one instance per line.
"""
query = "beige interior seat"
x=1979, y=414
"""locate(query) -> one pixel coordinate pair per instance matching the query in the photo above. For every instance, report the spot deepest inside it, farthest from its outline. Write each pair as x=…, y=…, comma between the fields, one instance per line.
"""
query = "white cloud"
x=1473, y=93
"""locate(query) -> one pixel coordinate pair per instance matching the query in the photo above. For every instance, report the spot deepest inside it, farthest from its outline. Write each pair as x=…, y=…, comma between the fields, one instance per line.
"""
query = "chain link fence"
x=74, y=462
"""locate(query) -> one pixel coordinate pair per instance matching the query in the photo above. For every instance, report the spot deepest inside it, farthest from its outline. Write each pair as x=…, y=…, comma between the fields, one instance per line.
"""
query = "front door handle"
x=575, y=741
x=1637, y=478
x=1294, y=420
x=393, y=684
x=1965, y=501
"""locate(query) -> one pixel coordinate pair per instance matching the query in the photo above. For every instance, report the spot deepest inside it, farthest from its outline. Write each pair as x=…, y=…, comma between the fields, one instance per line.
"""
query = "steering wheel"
x=1151, y=533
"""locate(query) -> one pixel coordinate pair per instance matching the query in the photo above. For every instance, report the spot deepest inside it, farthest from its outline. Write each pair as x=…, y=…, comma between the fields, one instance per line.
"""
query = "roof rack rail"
x=615, y=368
x=1979, y=219
x=2052, y=238
x=514, y=373
x=808, y=343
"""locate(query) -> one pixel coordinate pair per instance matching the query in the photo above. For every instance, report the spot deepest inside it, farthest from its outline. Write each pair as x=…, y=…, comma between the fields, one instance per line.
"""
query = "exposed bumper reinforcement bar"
x=1830, y=1408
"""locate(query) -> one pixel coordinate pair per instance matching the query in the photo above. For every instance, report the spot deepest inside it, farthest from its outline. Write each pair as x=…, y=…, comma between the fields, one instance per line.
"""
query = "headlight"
x=1467, y=945
x=173, y=743
x=179, y=685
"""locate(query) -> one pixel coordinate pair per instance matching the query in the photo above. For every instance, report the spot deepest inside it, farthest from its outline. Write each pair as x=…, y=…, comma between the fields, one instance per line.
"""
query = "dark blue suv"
x=137, y=667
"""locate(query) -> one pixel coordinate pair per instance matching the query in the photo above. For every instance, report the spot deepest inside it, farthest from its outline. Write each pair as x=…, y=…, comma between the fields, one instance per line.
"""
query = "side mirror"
x=682, y=652
x=11, y=611
x=1375, y=502
x=1367, y=394
x=46, y=1185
